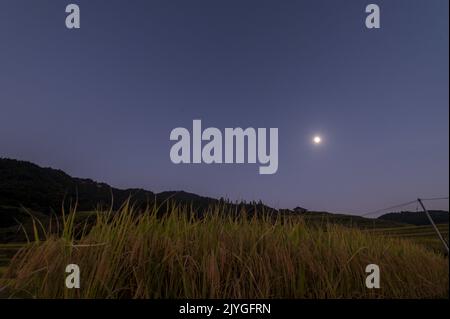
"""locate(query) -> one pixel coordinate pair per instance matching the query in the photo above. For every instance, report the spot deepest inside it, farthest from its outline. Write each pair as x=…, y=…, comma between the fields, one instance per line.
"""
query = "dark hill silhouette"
x=43, y=190
x=417, y=218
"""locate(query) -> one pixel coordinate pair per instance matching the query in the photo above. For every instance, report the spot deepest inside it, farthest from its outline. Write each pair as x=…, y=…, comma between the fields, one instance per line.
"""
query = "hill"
x=26, y=188
x=417, y=218
x=43, y=190
x=350, y=220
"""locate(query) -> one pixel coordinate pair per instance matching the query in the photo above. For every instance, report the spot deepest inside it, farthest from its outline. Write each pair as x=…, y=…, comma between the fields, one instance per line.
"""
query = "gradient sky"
x=100, y=102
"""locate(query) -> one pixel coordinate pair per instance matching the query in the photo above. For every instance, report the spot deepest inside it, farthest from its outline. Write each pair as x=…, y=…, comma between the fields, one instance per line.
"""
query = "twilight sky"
x=100, y=102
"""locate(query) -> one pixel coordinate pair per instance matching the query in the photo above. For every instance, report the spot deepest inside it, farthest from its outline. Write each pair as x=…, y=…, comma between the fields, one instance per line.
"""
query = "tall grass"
x=168, y=253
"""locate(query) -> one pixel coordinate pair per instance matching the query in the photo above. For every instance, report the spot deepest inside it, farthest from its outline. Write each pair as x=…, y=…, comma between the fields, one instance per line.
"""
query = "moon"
x=317, y=139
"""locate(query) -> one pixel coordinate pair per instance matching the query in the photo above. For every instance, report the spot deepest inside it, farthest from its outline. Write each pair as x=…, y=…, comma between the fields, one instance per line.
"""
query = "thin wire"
x=435, y=198
x=391, y=207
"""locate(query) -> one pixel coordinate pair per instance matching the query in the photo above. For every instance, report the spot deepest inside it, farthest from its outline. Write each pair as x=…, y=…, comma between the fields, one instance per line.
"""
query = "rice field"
x=169, y=253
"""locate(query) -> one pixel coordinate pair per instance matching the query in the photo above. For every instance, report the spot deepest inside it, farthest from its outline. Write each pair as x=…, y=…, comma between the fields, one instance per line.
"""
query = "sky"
x=100, y=102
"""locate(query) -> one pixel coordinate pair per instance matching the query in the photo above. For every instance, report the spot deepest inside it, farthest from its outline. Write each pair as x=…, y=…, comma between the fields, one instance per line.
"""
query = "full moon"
x=317, y=140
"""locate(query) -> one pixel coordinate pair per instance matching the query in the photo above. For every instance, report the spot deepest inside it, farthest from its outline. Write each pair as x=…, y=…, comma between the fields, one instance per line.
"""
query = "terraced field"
x=424, y=235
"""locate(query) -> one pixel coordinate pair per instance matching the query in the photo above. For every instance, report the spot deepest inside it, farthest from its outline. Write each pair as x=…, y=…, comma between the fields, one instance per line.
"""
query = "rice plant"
x=171, y=252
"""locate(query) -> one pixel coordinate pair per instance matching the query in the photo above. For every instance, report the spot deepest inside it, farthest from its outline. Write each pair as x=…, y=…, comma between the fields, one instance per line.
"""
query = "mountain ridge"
x=45, y=189
x=23, y=183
